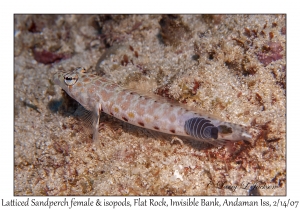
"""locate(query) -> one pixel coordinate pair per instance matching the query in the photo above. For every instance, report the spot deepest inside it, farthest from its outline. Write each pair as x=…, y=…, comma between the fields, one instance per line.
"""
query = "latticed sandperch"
x=98, y=94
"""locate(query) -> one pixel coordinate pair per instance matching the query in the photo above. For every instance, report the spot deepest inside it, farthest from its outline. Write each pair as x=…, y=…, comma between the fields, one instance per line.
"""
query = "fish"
x=99, y=94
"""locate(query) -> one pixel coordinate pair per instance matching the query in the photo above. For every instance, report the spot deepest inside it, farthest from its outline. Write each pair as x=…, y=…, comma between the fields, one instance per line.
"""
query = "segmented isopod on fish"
x=98, y=94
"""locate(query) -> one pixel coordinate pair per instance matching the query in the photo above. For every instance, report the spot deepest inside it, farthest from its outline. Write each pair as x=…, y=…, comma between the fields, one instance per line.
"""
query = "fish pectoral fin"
x=95, y=120
x=90, y=120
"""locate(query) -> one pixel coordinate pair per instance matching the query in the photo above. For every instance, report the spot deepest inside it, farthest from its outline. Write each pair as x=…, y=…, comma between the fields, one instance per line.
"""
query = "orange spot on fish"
x=131, y=114
x=86, y=80
x=172, y=118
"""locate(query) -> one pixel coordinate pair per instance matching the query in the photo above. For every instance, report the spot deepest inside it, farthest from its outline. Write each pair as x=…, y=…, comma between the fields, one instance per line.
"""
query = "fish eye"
x=70, y=79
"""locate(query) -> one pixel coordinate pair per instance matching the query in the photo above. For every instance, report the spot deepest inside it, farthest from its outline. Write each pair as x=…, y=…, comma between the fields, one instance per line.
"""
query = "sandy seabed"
x=231, y=66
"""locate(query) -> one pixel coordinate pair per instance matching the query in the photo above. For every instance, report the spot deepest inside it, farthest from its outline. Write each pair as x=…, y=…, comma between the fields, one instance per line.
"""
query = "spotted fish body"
x=98, y=94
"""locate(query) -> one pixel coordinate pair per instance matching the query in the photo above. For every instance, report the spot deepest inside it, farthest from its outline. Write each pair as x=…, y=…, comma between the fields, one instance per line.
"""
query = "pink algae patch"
x=47, y=57
x=270, y=53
